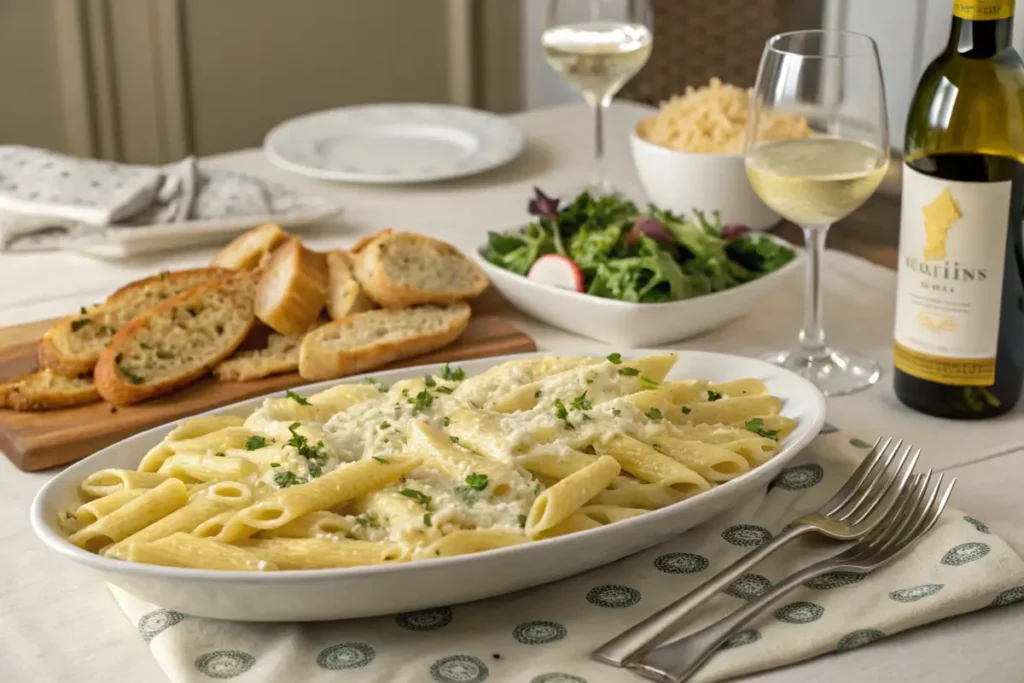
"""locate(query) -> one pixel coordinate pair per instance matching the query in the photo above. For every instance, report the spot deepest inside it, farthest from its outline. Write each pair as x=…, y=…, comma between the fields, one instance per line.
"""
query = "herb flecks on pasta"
x=440, y=465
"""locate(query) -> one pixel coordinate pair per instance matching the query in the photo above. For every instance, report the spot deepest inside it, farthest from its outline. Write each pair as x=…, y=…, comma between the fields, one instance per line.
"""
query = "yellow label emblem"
x=939, y=217
x=941, y=324
x=983, y=10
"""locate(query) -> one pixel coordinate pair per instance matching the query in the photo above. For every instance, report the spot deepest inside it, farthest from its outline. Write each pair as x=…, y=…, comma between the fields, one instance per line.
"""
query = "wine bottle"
x=959, y=333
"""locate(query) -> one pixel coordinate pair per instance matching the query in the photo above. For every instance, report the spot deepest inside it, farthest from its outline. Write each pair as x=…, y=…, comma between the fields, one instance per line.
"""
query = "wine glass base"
x=834, y=372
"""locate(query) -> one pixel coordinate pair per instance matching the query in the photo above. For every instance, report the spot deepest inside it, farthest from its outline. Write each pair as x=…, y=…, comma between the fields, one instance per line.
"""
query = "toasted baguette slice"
x=293, y=289
x=344, y=295
x=72, y=346
x=250, y=249
x=178, y=341
x=44, y=390
x=368, y=340
x=403, y=269
x=279, y=355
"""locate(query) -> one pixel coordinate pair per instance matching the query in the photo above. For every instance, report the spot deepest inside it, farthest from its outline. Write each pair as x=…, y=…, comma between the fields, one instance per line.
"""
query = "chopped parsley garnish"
x=714, y=395
x=629, y=372
x=384, y=425
x=79, y=324
x=614, y=358
x=255, y=442
x=385, y=440
x=219, y=455
x=446, y=421
x=275, y=464
x=581, y=402
x=420, y=497
x=456, y=375
x=129, y=375
x=654, y=414
x=376, y=383
x=314, y=470
x=429, y=381
x=562, y=413
x=301, y=444
x=286, y=478
x=756, y=425
x=427, y=519
x=443, y=390
x=467, y=494
x=648, y=383
x=477, y=482
x=685, y=410
x=301, y=400
x=522, y=521
x=656, y=446
x=383, y=461
x=367, y=520
x=422, y=400
x=83, y=311
x=616, y=412
x=536, y=394
x=453, y=439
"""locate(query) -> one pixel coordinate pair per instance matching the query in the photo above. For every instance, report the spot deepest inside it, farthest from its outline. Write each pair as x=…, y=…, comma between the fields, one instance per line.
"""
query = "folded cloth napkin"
x=544, y=635
x=48, y=199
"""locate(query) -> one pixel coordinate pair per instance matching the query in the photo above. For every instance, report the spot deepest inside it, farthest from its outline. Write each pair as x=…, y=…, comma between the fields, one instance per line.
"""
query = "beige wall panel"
x=31, y=111
x=253, y=63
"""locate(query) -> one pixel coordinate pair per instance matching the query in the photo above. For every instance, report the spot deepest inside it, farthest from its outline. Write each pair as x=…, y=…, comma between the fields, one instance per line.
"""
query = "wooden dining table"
x=58, y=623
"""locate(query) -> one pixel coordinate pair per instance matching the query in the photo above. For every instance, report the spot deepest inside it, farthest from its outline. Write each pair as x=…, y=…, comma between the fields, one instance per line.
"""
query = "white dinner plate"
x=324, y=594
x=393, y=143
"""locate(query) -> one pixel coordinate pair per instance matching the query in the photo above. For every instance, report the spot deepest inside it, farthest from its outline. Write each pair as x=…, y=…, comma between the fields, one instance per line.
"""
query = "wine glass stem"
x=599, y=106
x=812, y=335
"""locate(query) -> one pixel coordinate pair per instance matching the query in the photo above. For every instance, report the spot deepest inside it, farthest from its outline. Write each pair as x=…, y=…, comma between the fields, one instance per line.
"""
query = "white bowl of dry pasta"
x=426, y=486
x=689, y=155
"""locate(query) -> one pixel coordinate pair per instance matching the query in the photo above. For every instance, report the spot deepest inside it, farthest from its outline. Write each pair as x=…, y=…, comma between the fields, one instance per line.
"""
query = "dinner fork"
x=846, y=516
x=916, y=511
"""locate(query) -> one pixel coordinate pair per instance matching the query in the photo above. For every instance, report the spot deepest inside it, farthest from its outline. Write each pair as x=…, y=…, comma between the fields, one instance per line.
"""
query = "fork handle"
x=658, y=627
x=677, y=661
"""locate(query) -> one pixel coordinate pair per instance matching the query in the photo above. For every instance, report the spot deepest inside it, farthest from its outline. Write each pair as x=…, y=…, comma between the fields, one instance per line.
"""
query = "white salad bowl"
x=625, y=323
x=684, y=181
x=323, y=594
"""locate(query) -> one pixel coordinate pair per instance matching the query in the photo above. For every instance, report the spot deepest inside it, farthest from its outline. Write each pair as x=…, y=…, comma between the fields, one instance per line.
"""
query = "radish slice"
x=557, y=271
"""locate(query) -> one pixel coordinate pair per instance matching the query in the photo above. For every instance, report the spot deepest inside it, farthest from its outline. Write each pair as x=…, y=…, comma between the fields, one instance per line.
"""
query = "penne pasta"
x=322, y=553
x=87, y=513
x=557, y=503
x=184, y=550
x=647, y=464
x=105, y=482
x=151, y=506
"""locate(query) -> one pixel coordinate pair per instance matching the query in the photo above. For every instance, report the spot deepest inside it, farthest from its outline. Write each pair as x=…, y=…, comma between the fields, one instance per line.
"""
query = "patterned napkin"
x=49, y=200
x=545, y=634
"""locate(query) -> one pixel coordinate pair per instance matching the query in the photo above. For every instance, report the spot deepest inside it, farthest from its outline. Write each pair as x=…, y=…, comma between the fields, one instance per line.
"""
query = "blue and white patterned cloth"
x=545, y=634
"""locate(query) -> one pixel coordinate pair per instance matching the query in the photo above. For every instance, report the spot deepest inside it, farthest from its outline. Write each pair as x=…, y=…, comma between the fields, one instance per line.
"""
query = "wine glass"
x=832, y=80
x=596, y=46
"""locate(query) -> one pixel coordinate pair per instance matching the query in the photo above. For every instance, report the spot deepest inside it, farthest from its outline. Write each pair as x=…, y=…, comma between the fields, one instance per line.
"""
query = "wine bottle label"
x=976, y=10
x=950, y=278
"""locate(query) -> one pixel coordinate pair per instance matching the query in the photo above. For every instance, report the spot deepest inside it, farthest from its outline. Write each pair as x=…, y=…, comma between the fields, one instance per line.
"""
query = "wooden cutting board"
x=36, y=441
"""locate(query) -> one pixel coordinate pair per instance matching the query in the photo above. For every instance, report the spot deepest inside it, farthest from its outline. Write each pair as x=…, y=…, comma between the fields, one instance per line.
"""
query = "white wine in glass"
x=597, y=46
x=833, y=80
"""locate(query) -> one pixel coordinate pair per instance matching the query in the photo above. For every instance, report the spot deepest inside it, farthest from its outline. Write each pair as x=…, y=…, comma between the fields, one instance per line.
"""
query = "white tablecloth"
x=59, y=623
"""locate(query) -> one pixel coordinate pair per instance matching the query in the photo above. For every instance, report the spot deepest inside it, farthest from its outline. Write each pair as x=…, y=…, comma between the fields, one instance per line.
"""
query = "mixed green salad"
x=621, y=252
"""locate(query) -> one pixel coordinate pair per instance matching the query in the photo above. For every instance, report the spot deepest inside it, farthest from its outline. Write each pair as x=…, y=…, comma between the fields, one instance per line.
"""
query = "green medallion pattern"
x=859, y=443
x=860, y=638
x=964, y=553
x=980, y=526
x=799, y=477
x=799, y=613
x=827, y=582
x=345, y=656
x=425, y=620
x=153, y=624
x=747, y=535
x=459, y=669
x=742, y=638
x=613, y=595
x=916, y=593
x=1009, y=596
x=748, y=587
x=538, y=632
x=681, y=563
x=224, y=663
x=828, y=429
x=557, y=677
